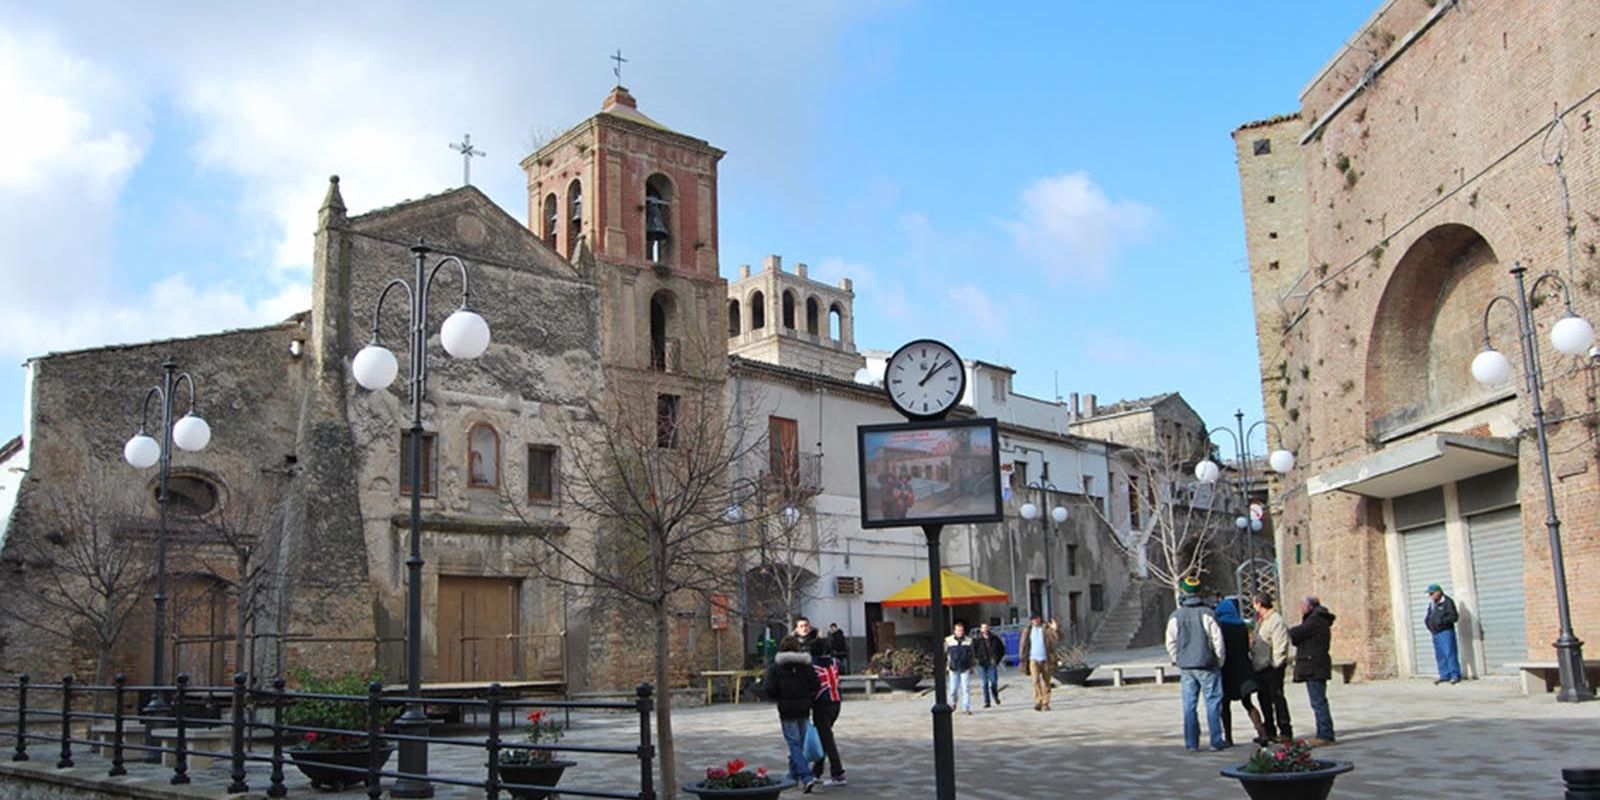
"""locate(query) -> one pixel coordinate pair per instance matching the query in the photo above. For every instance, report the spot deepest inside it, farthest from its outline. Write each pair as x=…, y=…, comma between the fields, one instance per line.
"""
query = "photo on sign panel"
x=922, y=473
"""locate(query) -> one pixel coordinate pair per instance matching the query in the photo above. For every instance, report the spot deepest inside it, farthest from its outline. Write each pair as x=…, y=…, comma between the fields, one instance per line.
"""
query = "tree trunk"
x=668, y=751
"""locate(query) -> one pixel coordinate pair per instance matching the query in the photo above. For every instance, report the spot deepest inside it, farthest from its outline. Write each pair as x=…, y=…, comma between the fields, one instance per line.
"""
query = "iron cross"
x=467, y=152
x=617, y=70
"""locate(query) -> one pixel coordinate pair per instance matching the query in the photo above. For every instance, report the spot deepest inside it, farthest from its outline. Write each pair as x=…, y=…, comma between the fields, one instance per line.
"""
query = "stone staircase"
x=1117, y=629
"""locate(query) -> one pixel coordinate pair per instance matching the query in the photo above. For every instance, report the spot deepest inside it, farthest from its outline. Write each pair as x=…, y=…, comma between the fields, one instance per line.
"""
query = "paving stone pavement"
x=1408, y=738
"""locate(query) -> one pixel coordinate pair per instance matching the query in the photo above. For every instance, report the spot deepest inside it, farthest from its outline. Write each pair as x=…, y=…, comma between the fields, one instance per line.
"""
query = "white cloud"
x=1068, y=224
x=885, y=297
x=972, y=306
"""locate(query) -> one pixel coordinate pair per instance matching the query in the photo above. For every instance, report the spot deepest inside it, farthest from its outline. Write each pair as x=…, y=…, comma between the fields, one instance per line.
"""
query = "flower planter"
x=322, y=767
x=904, y=683
x=1313, y=785
x=769, y=792
x=543, y=773
x=1074, y=676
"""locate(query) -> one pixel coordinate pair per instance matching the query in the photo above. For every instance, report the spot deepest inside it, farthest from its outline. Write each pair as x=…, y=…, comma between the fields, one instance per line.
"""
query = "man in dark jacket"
x=1441, y=622
x=1313, y=666
x=792, y=682
x=839, y=647
x=958, y=657
x=989, y=650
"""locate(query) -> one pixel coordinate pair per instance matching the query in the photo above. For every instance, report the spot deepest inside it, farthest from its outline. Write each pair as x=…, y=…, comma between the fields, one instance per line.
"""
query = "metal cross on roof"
x=467, y=152
x=617, y=70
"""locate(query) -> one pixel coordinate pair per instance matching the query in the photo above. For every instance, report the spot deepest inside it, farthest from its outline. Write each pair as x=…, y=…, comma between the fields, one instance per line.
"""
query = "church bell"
x=655, y=219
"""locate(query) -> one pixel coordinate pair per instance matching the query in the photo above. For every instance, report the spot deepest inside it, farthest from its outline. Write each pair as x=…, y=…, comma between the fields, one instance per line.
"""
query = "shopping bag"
x=813, y=744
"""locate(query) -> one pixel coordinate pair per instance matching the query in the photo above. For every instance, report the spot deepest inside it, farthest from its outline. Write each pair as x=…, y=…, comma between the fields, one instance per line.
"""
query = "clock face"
x=925, y=379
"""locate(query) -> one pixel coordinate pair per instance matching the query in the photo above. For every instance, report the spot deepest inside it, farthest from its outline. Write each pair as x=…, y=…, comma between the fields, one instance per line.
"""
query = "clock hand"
x=936, y=368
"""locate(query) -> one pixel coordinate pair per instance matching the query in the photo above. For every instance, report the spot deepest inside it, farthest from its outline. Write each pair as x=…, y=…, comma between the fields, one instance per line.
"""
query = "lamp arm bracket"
x=186, y=377
x=1566, y=292
x=1499, y=298
x=377, y=308
x=144, y=407
x=466, y=290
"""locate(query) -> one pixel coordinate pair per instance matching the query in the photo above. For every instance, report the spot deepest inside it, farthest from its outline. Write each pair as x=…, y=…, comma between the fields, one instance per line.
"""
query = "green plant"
x=1294, y=756
x=348, y=715
x=733, y=775
x=901, y=661
x=540, y=729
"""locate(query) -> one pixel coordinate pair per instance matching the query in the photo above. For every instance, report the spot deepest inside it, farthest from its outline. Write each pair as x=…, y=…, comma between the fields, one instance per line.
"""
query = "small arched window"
x=574, y=216
x=658, y=219
x=663, y=349
x=483, y=456
x=812, y=314
x=835, y=322
x=788, y=309
x=550, y=220
x=733, y=318
x=758, y=311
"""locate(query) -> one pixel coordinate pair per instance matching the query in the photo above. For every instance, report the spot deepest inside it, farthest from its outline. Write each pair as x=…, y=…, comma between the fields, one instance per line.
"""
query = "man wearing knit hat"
x=1441, y=621
x=1194, y=642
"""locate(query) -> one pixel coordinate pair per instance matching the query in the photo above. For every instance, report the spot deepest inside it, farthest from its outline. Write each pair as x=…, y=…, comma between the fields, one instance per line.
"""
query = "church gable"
x=465, y=222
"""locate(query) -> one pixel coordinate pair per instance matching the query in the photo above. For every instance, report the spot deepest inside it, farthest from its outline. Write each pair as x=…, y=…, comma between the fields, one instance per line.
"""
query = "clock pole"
x=944, y=746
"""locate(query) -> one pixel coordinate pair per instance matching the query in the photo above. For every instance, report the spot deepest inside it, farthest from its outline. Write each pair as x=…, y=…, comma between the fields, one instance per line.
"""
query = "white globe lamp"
x=142, y=451
x=1572, y=335
x=1281, y=461
x=1030, y=511
x=1207, y=471
x=1059, y=514
x=791, y=515
x=464, y=334
x=1241, y=523
x=191, y=433
x=1491, y=368
x=375, y=367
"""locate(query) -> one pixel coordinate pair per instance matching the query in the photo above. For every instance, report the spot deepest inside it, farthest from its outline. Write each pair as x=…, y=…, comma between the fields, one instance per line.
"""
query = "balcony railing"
x=792, y=473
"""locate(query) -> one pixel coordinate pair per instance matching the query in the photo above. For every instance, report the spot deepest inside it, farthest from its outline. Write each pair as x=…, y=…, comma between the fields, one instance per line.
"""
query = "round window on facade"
x=190, y=494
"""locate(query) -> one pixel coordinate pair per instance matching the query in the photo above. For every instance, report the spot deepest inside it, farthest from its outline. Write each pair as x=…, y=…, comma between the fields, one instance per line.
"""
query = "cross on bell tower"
x=617, y=70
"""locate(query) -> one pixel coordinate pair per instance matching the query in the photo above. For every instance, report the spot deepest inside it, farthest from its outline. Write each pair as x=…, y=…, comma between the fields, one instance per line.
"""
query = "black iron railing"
x=260, y=713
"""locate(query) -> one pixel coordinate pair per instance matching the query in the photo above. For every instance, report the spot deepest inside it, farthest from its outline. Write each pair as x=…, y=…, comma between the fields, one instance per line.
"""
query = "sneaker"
x=838, y=780
x=985, y=705
x=809, y=787
x=1454, y=681
x=1437, y=681
x=1221, y=747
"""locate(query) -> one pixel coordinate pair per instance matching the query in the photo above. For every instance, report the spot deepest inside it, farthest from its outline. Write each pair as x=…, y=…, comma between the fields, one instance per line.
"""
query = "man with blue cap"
x=1441, y=621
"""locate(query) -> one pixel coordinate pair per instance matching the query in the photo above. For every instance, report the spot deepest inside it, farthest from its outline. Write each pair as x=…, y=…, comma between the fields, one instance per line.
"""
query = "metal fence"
x=246, y=725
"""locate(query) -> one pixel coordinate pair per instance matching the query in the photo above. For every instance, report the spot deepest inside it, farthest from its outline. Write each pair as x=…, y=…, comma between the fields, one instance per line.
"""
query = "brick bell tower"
x=640, y=200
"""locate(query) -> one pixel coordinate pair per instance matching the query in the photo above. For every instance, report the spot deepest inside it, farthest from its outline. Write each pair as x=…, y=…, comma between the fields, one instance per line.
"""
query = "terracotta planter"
x=322, y=766
x=753, y=793
x=1074, y=676
x=1314, y=785
x=544, y=773
x=904, y=683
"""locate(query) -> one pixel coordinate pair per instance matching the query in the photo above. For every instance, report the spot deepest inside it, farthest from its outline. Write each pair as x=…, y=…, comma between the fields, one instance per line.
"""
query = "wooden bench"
x=1118, y=671
x=1548, y=673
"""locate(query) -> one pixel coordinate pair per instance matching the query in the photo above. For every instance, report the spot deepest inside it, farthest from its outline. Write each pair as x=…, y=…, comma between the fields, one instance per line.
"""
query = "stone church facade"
x=1382, y=218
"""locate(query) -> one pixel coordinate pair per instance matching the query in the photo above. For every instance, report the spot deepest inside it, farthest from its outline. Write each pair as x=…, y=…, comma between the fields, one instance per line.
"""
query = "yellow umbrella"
x=957, y=590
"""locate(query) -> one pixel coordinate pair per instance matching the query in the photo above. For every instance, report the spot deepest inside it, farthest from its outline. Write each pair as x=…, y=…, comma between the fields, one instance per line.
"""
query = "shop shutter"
x=1427, y=557
x=1497, y=569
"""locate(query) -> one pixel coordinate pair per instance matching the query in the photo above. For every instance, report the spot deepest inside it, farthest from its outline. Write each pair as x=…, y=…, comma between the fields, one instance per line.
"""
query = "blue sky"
x=1048, y=185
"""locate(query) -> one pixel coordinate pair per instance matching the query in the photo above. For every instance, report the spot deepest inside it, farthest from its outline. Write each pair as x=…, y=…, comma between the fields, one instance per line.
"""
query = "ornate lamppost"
x=464, y=334
x=1058, y=515
x=1571, y=335
x=1208, y=471
x=143, y=451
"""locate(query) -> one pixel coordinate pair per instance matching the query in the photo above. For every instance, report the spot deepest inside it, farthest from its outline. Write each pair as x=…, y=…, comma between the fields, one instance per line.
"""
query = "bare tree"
x=1174, y=520
x=788, y=545
x=653, y=467
x=240, y=546
x=85, y=570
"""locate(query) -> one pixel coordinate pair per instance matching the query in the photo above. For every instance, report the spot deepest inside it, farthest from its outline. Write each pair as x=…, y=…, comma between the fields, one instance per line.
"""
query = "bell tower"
x=640, y=199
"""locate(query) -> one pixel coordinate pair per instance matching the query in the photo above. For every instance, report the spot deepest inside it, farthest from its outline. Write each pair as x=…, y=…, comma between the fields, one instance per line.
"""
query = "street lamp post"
x=1208, y=471
x=1058, y=515
x=464, y=334
x=1571, y=335
x=144, y=451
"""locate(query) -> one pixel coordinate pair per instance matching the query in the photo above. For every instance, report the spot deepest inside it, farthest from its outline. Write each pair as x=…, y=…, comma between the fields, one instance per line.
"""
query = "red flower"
x=735, y=765
x=712, y=773
x=311, y=736
x=761, y=772
x=535, y=716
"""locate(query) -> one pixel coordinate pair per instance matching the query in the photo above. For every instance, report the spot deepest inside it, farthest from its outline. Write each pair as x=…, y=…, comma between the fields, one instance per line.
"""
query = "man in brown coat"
x=1036, y=651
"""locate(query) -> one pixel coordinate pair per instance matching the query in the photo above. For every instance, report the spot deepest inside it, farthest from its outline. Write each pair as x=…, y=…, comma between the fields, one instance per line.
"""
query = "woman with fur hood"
x=792, y=683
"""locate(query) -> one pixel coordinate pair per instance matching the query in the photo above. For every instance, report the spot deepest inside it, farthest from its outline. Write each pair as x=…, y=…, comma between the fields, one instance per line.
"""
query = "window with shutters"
x=542, y=473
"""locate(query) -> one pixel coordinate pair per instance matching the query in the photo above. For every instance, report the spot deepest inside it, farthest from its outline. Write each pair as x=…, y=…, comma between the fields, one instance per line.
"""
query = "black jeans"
x=823, y=715
x=1274, y=705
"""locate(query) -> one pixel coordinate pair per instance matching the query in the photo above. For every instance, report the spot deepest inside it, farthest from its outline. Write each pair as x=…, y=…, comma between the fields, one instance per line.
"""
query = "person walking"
x=1313, y=666
x=806, y=633
x=1441, y=621
x=1194, y=642
x=1037, y=648
x=1269, y=654
x=839, y=646
x=825, y=712
x=989, y=651
x=958, y=657
x=1238, y=675
x=792, y=683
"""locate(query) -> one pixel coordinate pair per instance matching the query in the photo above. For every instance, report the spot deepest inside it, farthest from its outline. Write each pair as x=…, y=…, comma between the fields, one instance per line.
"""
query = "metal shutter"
x=1497, y=568
x=1427, y=556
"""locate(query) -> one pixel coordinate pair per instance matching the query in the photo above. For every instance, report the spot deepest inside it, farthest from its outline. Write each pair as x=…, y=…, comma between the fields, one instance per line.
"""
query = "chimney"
x=744, y=271
x=1076, y=410
x=800, y=269
x=772, y=264
x=1090, y=407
